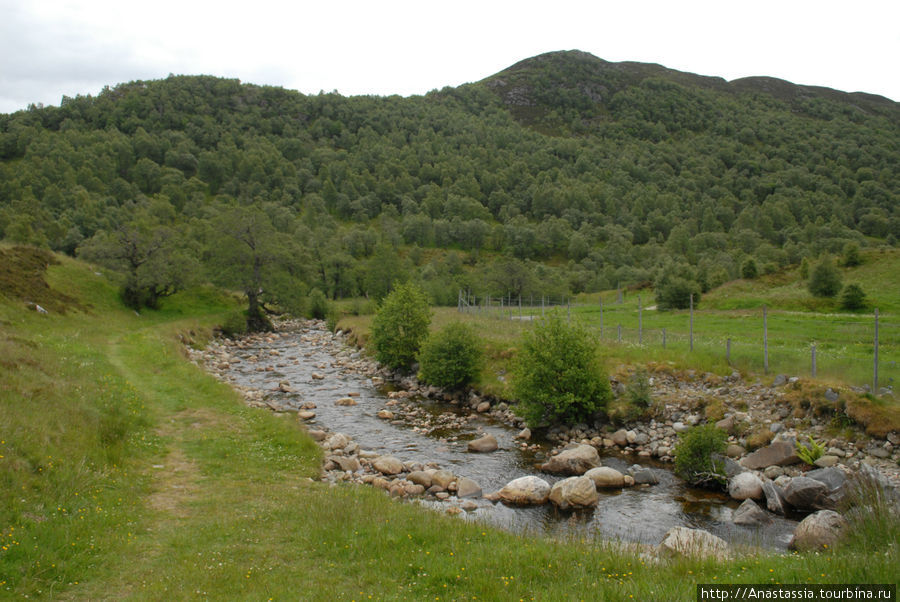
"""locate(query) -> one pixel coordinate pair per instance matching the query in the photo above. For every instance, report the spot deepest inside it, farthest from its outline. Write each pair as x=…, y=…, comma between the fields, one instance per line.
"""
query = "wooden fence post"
x=765, y=340
x=875, y=379
x=813, y=351
x=640, y=322
x=692, y=321
x=728, y=351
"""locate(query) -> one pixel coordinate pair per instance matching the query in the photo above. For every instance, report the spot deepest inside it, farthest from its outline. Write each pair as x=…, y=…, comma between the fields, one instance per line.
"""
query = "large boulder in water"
x=487, y=443
x=682, y=541
x=575, y=461
x=605, y=477
x=749, y=514
x=818, y=530
x=574, y=492
x=525, y=491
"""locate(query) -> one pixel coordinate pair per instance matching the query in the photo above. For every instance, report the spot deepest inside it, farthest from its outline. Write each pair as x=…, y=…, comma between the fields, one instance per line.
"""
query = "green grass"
x=127, y=473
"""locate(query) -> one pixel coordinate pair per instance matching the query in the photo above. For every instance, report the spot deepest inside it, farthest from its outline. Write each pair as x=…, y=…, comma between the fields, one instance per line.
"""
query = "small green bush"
x=400, y=325
x=317, y=305
x=694, y=456
x=853, y=298
x=451, y=357
x=825, y=279
x=851, y=255
x=749, y=271
x=557, y=376
x=234, y=324
x=638, y=390
x=675, y=293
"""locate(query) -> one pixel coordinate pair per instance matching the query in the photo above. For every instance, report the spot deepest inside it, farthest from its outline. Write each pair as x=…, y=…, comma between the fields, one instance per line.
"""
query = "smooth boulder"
x=525, y=491
x=779, y=453
x=466, y=488
x=681, y=541
x=388, y=465
x=487, y=443
x=804, y=493
x=818, y=530
x=745, y=486
x=575, y=461
x=574, y=492
x=604, y=477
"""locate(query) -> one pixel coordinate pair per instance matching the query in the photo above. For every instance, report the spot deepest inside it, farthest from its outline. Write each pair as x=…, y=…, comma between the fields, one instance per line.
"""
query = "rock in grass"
x=526, y=491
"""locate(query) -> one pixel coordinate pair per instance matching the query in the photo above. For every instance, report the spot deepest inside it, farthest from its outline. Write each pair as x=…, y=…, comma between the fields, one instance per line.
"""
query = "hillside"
x=562, y=174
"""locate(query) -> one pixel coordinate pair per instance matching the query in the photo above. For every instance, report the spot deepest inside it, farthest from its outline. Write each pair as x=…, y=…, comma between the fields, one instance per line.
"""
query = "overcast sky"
x=51, y=48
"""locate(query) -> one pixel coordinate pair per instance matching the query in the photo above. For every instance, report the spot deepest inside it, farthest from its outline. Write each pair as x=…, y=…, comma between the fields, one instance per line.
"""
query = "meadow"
x=129, y=473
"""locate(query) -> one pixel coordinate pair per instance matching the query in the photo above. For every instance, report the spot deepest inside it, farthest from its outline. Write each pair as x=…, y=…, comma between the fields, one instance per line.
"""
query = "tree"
x=675, y=293
x=853, y=298
x=156, y=260
x=400, y=325
x=246, y=252
x=557, y=376
x=451, y=357
x=825, y=278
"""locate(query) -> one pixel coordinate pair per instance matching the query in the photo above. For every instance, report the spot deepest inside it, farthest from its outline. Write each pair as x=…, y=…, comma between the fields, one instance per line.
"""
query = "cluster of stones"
x=346, y=461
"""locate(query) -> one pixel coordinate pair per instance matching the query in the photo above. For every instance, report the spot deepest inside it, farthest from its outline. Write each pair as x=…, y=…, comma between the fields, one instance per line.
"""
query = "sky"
x=51, y=48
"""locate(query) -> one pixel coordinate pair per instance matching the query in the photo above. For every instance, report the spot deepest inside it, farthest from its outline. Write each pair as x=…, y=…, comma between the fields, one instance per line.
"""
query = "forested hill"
x=563, y=173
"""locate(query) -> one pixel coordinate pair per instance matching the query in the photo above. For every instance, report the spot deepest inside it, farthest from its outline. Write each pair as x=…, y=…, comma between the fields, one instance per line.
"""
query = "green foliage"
x=638, y=390
x=804, y=268
x=694, y=461
x=851, y=257
x=825, y=278
x=749, y=271
x=317, y=305
x=400, y=326
x=810, y=452
x=451, y=357
x=853, y=298
x=675, y=293
x=557, y=376
x=234, y=324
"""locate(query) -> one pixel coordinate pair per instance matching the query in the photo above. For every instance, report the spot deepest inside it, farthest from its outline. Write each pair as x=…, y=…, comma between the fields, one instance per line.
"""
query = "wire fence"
x=858, y=349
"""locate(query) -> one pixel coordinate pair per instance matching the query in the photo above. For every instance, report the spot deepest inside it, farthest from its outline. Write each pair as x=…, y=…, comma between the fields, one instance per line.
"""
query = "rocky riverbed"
x=472, y=456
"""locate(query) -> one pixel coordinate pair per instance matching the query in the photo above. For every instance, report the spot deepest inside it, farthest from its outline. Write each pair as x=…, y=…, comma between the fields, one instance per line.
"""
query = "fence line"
x=739, y=349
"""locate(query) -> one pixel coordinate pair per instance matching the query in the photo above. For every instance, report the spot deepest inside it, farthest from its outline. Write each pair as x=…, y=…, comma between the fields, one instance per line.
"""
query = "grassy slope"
x=128, y=473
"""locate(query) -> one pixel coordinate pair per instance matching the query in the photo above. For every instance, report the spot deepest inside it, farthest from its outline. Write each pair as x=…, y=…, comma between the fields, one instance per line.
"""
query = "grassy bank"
x=127, y=473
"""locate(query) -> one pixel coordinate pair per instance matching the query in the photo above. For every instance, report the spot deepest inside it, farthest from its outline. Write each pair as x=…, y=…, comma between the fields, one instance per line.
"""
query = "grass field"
x=128, y=473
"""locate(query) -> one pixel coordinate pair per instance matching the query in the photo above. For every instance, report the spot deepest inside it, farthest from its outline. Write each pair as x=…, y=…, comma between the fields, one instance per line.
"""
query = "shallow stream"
x=636, y=514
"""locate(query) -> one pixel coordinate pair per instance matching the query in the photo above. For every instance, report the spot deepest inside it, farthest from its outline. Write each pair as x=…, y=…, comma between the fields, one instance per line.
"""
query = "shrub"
x=556, y=375
x=400, y=325
x=749, y=271
x=694, y=460
x=825, y=279
x=451, y=357
x=851, y=255
x=317, y=305
x=675, y=293
x=853, y=297
x=639, y=390
x=234, y=324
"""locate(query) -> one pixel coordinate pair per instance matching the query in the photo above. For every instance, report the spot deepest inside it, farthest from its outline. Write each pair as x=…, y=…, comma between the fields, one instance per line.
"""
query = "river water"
x=640, y=514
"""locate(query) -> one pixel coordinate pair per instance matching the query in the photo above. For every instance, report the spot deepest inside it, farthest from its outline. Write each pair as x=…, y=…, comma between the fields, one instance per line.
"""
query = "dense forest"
x=562, y=174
